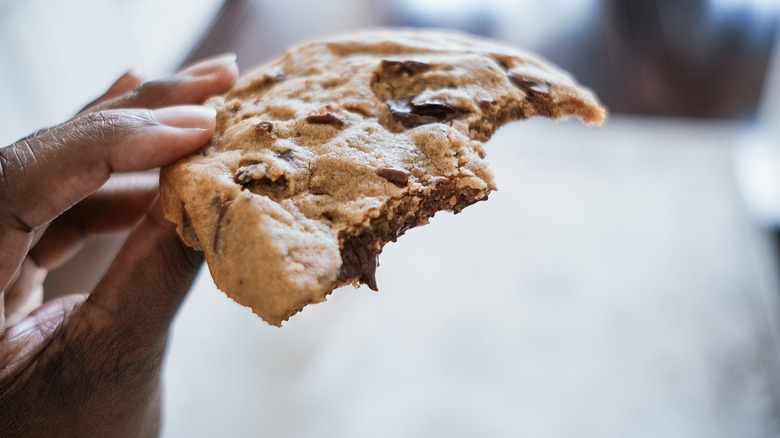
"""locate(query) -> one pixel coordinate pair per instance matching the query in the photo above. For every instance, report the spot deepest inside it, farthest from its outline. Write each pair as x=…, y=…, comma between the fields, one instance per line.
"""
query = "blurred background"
x=622, y=281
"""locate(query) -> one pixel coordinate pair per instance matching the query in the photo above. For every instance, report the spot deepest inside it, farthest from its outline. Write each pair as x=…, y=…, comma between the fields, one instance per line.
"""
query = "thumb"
x=144, y=286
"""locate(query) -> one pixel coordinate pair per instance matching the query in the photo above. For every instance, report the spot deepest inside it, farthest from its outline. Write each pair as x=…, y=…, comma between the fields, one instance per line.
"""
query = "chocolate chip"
x=538, y=94
x=325, y=119
x=223, y=206
x=264, y=127
x=247, y=174
x=398, y=177
x=404, y=67
x=529, y=86
x=412, y=114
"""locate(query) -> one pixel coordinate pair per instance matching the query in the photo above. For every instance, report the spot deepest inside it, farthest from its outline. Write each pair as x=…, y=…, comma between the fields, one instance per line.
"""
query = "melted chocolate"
x=412, y=114
x=358, y=261
x=359, y=254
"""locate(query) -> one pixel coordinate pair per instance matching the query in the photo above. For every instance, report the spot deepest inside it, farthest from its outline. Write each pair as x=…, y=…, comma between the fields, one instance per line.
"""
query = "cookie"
x=339, y=146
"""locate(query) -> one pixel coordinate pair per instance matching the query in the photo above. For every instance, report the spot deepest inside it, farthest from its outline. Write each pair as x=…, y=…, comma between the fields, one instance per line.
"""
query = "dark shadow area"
x=673, y=57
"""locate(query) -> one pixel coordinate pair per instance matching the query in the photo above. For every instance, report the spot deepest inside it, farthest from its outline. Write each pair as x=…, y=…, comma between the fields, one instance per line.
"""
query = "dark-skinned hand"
x=89, y=365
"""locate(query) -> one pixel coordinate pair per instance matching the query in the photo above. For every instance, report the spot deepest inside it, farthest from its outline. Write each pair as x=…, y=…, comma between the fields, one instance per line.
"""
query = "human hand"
x=90, y=365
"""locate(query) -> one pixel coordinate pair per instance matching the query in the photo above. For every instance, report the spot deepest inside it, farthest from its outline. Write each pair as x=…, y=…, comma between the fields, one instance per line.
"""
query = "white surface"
x=757, y=165
x=58, y=55
x=613, y=287
x=757, y=158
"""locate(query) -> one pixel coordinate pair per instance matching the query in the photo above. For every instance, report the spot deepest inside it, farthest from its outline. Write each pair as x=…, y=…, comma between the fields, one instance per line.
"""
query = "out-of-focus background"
x=622, y=281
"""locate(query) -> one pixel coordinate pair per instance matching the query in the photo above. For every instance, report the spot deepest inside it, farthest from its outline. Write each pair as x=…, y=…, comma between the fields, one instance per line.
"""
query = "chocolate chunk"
x=247, y=174
x=412, y=114
x=359, y=261
x=325, y=119
x=264, y=127
x=223, y=206
x=398, y=177
x=538, y=94
x=408, y=67
x=185, y=218
x=531, y=87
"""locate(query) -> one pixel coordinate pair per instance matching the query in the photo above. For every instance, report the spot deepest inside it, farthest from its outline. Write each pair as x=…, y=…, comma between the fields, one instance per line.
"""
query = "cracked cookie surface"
x=339, y=146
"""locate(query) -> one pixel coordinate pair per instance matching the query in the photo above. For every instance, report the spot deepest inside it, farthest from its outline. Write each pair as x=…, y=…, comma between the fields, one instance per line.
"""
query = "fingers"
x=128, y=81
x=117, y=206
x=99, y=362
x=47, y=173
x=26, y=292
x=22, y=341
x=146, y=283
x=192, y=85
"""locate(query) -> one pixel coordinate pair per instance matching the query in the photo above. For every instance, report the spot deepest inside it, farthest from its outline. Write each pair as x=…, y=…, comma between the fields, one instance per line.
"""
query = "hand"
x=90, y=365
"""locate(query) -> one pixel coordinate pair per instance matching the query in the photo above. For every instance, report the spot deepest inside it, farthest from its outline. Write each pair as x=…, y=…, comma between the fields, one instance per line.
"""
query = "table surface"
x=613, y=286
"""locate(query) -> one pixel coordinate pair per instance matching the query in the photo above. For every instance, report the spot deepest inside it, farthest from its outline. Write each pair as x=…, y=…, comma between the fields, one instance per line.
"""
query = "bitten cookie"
x=324, y=155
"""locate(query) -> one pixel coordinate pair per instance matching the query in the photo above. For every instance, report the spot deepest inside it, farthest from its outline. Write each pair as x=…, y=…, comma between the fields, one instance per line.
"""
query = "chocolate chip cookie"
x=336, y=148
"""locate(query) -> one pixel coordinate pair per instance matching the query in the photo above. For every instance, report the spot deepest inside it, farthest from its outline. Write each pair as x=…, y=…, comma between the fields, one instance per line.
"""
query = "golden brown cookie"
x=327, y=153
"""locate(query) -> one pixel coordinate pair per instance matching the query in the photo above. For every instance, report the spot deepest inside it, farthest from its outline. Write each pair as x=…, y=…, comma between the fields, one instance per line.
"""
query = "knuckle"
x=111, y=126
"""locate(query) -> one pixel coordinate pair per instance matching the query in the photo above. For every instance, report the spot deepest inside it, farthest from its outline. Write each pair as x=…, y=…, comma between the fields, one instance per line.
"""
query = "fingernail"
x=186, y=116
x=209, y=65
